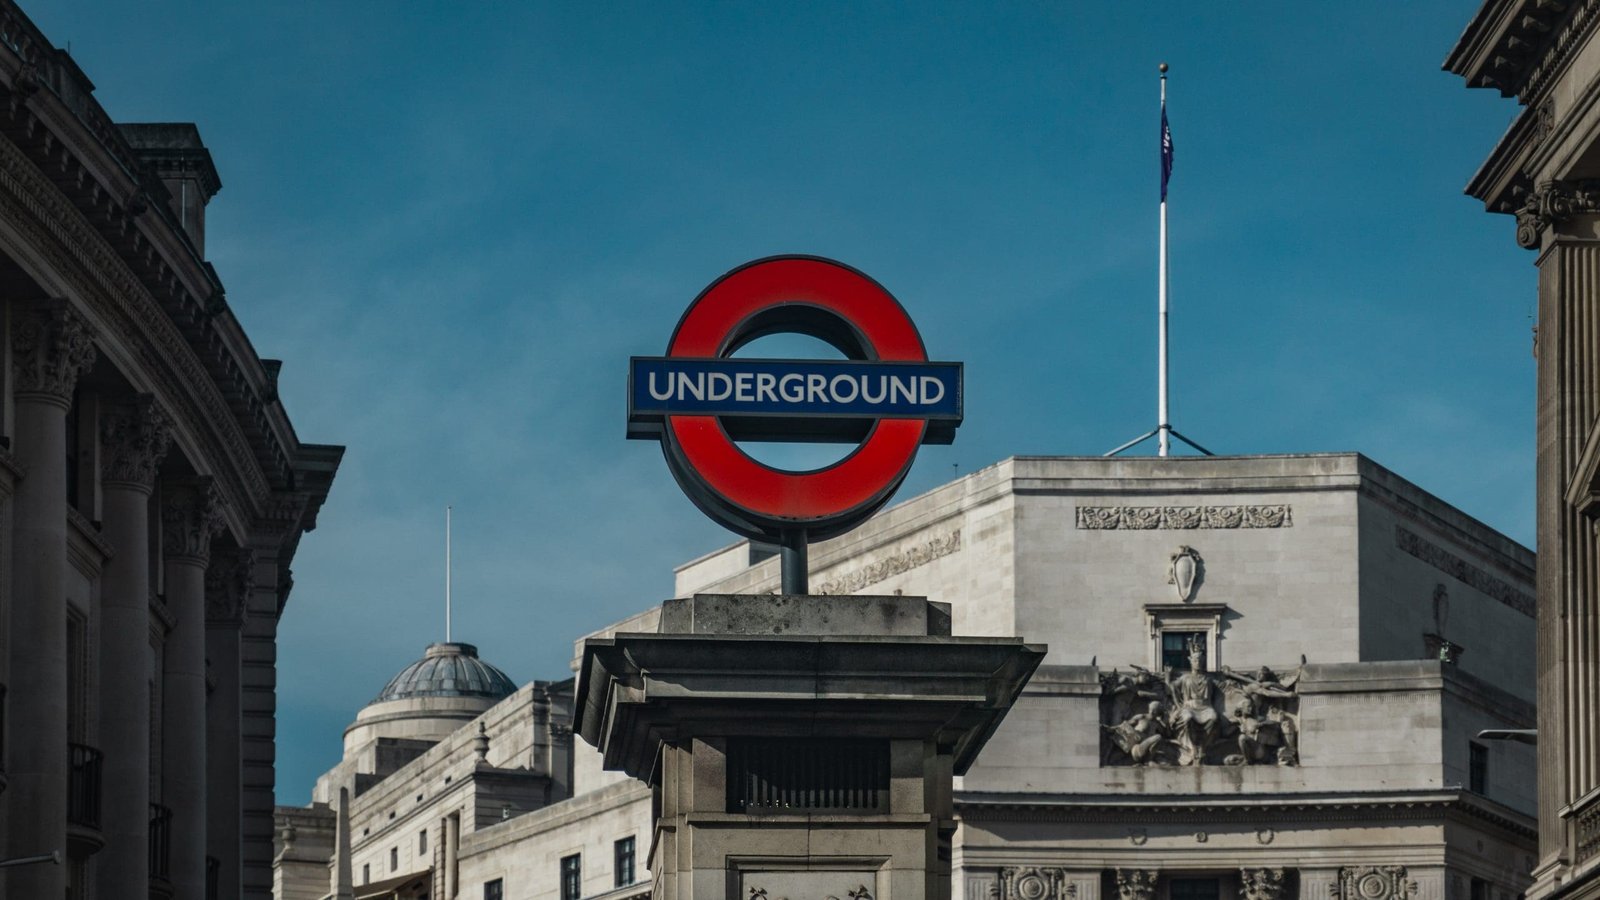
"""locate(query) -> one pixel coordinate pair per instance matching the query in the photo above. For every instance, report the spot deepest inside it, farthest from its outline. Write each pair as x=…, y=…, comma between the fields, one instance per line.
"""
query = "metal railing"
x=83, y=785
x=160, y=842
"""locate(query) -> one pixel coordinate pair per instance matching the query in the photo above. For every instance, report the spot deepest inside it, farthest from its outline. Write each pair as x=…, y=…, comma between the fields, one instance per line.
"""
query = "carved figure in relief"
x=1194, y=717
x=1254, y=705
x=1142, y=736
x=1198, y=717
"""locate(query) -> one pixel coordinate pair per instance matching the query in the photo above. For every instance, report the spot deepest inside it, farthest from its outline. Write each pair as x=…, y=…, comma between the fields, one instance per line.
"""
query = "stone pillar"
x=229, y=581
x=258, y=662
x=134, y=439
x=189, y=517
x=452, y=850
x=1567, y=408
x=51, y=345
x=343, y=886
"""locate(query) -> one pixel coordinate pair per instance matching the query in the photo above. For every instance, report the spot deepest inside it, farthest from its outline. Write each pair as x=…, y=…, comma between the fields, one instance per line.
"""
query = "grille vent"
x=781, y=775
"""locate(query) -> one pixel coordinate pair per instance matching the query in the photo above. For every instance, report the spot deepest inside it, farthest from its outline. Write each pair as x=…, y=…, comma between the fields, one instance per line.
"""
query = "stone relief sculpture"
x=1136, y=884
x=1198, y=718
x=1035, y=883
x=1373, y=883
x=1261, y=884
x=1184, y=572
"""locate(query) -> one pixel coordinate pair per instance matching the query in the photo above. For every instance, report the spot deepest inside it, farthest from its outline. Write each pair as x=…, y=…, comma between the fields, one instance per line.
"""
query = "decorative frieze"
x=190, y=514
x=1139, y=518
x=1373, y=883
x=1551, y=203
x=1261, y=884
x=1035, y=883
x=1461, y=570
x=1136, y=884
x=135, y=435
x=897, y=564
x=51, y=346
x=1196, y=717
x=230, y=578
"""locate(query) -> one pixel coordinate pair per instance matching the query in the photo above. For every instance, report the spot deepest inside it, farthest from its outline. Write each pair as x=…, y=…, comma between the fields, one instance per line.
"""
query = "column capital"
x=190, y=514
x=51, y=346
x=1262, y=884
x=229, y=580
x=1136, y=884
x=135, y=434
x=1551, y=203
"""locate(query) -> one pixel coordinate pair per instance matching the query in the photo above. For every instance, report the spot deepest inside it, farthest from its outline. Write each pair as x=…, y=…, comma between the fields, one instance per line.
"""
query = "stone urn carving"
x=1184, y=572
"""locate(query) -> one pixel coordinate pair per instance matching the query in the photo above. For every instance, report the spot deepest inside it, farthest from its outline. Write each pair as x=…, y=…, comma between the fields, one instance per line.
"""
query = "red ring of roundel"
x=858, y=483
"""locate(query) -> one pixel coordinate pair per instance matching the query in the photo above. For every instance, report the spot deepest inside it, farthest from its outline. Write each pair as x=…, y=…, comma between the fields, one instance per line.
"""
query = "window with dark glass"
x=623, y=856
x=366, y=873
x=1194, y=888
x=1480, y=889
x=422, y=842
x=571, y=877
x=494, y=890
x=1478, y=768
x=1175, y=649
x=394, y=858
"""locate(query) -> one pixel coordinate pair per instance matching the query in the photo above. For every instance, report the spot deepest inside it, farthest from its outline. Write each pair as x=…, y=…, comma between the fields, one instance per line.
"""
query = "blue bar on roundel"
x=661, y=386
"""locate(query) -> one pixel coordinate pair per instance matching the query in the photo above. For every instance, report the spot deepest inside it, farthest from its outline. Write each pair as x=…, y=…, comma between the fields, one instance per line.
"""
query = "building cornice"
x=1518, y=46
x=80, y=195
x=1262, y=808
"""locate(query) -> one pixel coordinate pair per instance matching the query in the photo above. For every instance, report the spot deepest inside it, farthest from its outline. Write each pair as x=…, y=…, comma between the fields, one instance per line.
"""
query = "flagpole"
x=447, y=574
x=1163, y=425
x=1163, y=432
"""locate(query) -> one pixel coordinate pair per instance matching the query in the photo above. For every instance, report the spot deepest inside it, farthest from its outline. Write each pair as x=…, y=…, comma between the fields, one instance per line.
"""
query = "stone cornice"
x=84, y=199
x=1518, y=46
x=1267, y=808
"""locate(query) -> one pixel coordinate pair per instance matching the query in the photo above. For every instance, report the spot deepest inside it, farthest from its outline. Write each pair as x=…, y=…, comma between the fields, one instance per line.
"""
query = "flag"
x=1166, y=152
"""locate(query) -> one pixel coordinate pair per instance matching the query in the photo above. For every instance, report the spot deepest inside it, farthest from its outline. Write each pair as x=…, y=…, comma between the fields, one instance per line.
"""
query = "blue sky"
x=455, y=222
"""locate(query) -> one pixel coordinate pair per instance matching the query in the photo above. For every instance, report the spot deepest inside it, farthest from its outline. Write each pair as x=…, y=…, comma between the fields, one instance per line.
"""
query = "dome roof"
x=448, y=670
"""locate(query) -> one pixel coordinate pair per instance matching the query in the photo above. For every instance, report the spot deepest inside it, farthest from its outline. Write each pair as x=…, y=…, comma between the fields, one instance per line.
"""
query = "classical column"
x=189, y=517
x=51, y=345
x=452, y=850
x=1560, y=219
x=134, y=438
x=229, y=581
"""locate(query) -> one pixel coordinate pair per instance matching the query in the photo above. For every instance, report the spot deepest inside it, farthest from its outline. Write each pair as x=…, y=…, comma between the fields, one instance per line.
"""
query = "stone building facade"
x=152, y=496
x=1265, y=678
x=1545, y=171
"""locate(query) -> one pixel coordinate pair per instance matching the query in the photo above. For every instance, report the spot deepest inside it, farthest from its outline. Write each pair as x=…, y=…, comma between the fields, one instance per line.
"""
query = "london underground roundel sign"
x=885, y=396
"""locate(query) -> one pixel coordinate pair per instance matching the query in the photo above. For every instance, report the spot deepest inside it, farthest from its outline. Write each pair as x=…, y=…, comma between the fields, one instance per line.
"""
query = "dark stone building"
x=152, y=495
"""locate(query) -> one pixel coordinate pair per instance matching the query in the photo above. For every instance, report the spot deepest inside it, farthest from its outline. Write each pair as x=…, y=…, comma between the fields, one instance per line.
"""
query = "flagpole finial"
x=1163, y=68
